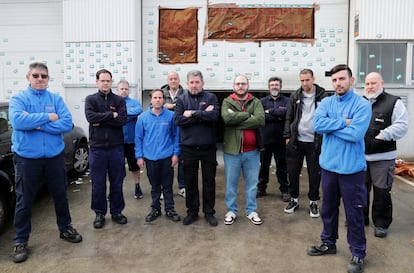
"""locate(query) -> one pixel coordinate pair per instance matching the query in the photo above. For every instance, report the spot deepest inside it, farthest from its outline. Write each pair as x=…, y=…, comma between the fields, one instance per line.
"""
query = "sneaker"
x=181, y=192
x=321, y=249
x=292, y=206
x=260, y=194
x=99, y=221
x=119, y=219
x=190, y=218
x=138, y=192
x=20, y=252
x=380, y=232
x=71, y=235
x=285, y=197
x=356, y=265
x=254, y=218
x=313, y=209
x=173, y=215
x=153, y=215
x=229, y=218
x=211, y=220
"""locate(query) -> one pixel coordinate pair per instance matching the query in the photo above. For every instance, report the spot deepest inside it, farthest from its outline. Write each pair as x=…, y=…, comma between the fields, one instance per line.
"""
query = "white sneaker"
x=181, y=192
x=229, y=218
x=254, y=218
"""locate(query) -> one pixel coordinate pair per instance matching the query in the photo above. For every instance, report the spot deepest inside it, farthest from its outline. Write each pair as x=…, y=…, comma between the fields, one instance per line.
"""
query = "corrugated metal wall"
x=386, y=20
x=99, y=20
x=100, y=34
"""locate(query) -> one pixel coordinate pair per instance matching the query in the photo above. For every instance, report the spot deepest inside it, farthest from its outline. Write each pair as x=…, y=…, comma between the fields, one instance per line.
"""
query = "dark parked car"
x=76, y=160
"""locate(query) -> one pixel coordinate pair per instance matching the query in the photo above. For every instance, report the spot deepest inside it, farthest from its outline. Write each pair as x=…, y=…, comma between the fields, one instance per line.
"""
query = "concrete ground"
x=278, y=245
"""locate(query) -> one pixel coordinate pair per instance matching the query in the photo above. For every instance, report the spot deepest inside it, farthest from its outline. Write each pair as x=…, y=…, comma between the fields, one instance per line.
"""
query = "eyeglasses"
x=43, y=76
x=240, y=83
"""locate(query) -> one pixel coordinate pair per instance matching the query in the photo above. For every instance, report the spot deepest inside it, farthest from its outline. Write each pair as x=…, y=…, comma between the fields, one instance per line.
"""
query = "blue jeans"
x=161, y=175
x=249, y=164
x=29, y=173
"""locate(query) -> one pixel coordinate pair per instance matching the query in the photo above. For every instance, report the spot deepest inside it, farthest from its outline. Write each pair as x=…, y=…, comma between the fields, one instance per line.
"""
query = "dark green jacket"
x=238, y=121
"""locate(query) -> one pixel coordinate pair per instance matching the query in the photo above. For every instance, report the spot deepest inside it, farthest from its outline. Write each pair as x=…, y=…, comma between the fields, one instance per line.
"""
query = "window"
x=389, y=59
x=412, y=65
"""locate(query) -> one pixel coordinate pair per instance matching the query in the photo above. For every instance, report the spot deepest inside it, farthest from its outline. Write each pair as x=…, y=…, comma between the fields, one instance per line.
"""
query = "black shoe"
x=99, y=221
x=292, y=206
x=380, y=232
x=260, y=194
x=153, y=215
x=119, y=218
x=356, y=265
x=314, y=210
x=138, y=192
x=321, y=249
x=20, y=252
x=190, y=218
x=71, y=235
x=173, y=215
x=211, y=220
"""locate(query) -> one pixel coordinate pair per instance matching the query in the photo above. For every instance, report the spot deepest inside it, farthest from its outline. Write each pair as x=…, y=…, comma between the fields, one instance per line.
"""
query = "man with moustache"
x=275, y=108
x=389, y=123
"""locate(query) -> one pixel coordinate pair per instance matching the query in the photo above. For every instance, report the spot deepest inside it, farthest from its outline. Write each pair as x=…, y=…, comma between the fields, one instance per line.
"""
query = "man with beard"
x=275, y=108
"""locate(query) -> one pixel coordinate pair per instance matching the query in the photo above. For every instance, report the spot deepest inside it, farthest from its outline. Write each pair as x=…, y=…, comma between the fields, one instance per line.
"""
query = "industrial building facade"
x=78, y=37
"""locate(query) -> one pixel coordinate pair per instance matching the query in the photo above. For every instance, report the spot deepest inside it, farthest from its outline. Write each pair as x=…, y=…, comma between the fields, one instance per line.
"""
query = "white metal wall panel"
x=99, y=20
x=220, y=61
x=100, y=34
x=386, y=20
x=30, y=31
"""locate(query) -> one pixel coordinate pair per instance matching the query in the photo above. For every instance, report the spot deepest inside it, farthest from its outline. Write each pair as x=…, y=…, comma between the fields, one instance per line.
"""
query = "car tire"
x=80, y=159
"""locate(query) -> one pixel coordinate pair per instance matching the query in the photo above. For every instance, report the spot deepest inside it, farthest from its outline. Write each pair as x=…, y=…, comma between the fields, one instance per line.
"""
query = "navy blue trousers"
x=161, y=176
x=111, y=161
x=352, y=189
x=29, y=173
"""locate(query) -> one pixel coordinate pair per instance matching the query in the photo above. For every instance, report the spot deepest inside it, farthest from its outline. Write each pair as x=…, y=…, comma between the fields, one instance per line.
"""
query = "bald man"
x=389, y=122
x=172, y=90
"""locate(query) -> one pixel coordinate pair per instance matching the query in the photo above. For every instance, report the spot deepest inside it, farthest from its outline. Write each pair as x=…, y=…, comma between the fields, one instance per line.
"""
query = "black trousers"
x=379, y=177
x=294, y=159
x=278, y=150
x=191, y=157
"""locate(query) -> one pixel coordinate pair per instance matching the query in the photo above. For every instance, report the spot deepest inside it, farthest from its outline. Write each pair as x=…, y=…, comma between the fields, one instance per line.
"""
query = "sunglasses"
x=43, y=76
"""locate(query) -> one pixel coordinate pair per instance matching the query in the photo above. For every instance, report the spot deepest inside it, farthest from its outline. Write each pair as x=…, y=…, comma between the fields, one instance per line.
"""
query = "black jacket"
x=294, y=114
x=272, y=132
x=104, y=130
x=200, y=128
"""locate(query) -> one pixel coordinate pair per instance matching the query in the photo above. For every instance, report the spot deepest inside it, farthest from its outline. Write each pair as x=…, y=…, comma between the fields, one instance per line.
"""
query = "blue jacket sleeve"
x=325, y=121
x=139, y=138
x=64, y=123
x=355, y=131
